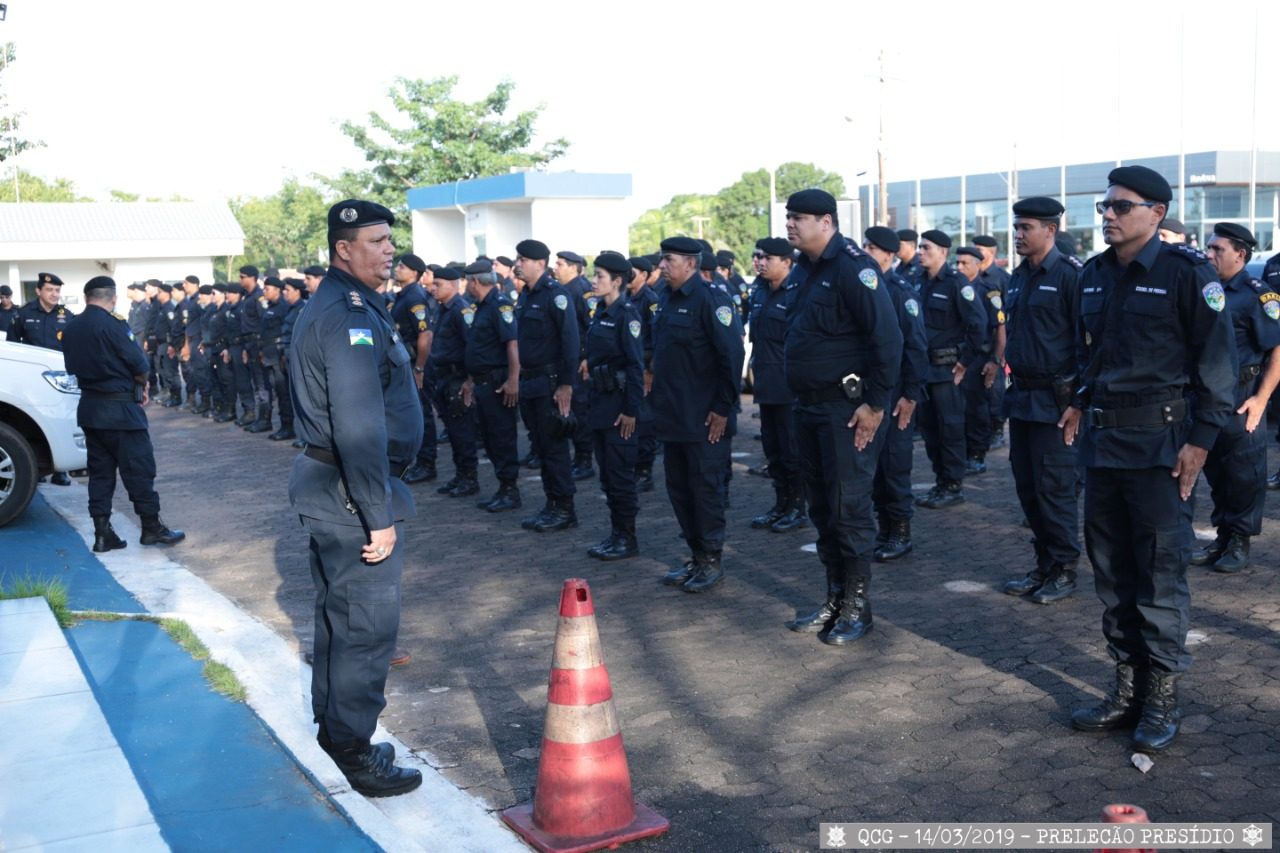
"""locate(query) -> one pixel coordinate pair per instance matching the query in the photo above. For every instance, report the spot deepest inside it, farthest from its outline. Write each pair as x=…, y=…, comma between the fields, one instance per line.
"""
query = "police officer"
x=40, y=322
x=139, y=312
x=201, y=378
x=493, y=382
x=891, y=487
x=295, y=293
x=415, y=315
x=1236, y=467
x=770, y=319
x=954, y=324
x=978, y=382
x=252, y=306
x=188, y=358
x=908, y=264
x=843, y=357
x=312, y=276
x=7, y=309
x=448, y=360
x=504, y=267
x=645, y=301
x=1043, y=304
x=995, y=283
x=270, y=349
x=235, y=373
x=569, y=269
x=164, y=321
x=697, y=362
x=358, y=412
x=1154, y=328
x=737, y=284
x=112, y=374
x=213, y=341
x=1173, y=231
x=550, y=353
x=615, y=374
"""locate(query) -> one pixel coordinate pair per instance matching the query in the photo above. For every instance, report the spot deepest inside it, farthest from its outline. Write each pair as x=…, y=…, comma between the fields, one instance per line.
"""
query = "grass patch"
x=102, y=616
x=219, y=675
x=51, y=590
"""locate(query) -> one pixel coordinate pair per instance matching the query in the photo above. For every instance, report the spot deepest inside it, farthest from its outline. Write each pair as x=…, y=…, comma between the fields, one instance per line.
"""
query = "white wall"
x=438, y=236
x=585, y=226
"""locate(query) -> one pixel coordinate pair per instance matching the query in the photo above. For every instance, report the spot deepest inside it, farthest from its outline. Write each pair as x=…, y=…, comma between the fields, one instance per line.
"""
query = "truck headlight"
x=62, y=381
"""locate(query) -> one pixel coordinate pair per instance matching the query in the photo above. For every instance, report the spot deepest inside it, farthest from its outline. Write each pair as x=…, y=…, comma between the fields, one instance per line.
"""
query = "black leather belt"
x=823, y=395
x=491, y=377
x=944, y=357
x=321, y=454
x=120, y=396
x=1037, y=384
x=1153, y=414
x=1250, y=373
x=527, y=373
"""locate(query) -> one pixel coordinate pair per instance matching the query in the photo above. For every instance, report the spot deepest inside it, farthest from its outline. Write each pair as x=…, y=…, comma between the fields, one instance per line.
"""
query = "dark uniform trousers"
x=838, y=482
x=128, y=451
x=942, y=425
x=1135, y=533
x=169, y=376
x=243, y=378
x=696, y=474
x=201, y=379
x=1236, y=470
x=582, y=435
x=280, y=377
x=356, y=620
x=428, y=453
x=462, y=427
x=498, y=429
x=616, y=458
x=778, y=437
x=557, y=476
x=224, y=381
x=1044, y=473
x=977, y=410
x=891, y=486
x=646, y=435
x=259, y=375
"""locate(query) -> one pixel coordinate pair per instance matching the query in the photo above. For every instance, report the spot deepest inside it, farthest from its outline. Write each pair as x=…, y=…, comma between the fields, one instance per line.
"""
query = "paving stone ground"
x=745, y=735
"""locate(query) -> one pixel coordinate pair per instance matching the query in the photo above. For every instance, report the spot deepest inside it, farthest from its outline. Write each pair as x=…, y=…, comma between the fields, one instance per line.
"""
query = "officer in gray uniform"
x=358, y=412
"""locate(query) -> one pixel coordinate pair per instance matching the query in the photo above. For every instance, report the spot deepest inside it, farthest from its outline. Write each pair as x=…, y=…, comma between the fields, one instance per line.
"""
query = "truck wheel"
x=17, y=473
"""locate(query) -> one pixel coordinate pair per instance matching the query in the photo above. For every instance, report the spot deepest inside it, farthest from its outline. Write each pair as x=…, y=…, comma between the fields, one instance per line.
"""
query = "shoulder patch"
x=634, y=328
x=508, y=313
x=360, y=337
x=968, y=293
x=562, y=301
x=725, y=315
x=1214, y=296
x=869, y=278
x=913, y=307
x=1270, y=304
x=419, y=312
x=993, y=296
x=469, y=314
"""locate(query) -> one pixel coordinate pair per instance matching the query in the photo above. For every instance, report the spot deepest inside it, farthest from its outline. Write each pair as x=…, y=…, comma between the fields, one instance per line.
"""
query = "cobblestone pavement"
x=744, y=734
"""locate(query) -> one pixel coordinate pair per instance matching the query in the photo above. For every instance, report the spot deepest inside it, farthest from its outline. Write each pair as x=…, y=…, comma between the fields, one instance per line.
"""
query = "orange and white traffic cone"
x=583, y=796
x=1124, y=813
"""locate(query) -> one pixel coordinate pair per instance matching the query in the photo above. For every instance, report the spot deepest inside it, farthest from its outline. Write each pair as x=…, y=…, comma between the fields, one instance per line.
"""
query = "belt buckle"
x=1095, y=417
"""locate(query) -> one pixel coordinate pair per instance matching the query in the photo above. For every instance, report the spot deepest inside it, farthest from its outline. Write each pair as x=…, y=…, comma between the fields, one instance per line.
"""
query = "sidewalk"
x=114, y=740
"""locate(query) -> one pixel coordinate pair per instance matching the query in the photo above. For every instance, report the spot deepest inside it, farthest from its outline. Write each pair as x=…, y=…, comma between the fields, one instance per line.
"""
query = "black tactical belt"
x=944, y=357
x=320, y=454
x=1153, y=414
x=492, y=377
x=1250, y=373
x=527, y=373
x=449, y=371
x=824, y=395
x=1037, y=384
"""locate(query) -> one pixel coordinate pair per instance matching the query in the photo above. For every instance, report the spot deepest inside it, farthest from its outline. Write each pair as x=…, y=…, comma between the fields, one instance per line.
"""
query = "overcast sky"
x=211, y=100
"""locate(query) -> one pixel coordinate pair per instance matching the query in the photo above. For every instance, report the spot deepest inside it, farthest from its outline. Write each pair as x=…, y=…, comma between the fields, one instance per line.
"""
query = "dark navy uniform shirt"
x=100, y=350
x=1255, y=317
x=953, y=317
x=33, y=325
x=584, y=304
x=291, y=314
x=614, y=342
x=912, y=273
x=843, y=322
x=196, y=315
x=645, y=302
x=139, y=318
x=915, y=348
x=1042, y=308
x=995, y=277
x=252, y=306
x=769, y=319
x=7, y=316
x=213, y=328
x=163, y=317
x=697, y=361
x=414, y=313
x=1152, y=332
x=1271, y=272
x=493, y=326
x=449, y=346
x=231, y=319
x=178, y=325
x=272, y=330
x=549, y=338
x=354, y=395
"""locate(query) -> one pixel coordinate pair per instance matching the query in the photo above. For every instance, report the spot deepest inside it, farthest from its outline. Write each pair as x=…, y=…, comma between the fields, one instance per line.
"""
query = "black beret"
x=167, y=288
x=885, y=238
x=1234, y=231
x=435, y=268
x=219, y=287
x=271, y=281
x=137, y=285
x=1038, y=207
x=356, y=213
x=614, y=263
x=1173, y=225
x=6, y=290
x=815, y=201
x=206, y=290
x=249, y=270
x=49, y=278
x=681, y=246
x=654, y=258
x=908, y=235
x=194, y=279
x=777, y=246
x=99, y=282
x=505, y=261
x=707, y=261
x=414, y=263
x=641, y=263
x=315, y=270
x=1066, y=243
x=295, y=283
x=971, y=251
x=478, y=268
x=706, y=246
x=725, y=258
x=448, y=274
x=457, y=265
x=534, y=250
x=1147, y=183
x=985, y=240
x=937, y=238
x=572, y=257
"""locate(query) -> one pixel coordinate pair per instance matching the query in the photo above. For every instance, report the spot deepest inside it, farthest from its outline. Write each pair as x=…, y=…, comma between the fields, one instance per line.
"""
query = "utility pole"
x=883, y=213
x=697, y=223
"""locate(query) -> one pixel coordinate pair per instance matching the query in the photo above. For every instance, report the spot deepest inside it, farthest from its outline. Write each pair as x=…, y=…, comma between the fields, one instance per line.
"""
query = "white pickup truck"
x=38, y=429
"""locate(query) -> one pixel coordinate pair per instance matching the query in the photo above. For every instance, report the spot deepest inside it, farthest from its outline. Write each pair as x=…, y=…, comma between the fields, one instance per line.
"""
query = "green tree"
x=286, y=229
x=33, y=188
x=12, y=142
x=437, y=139
x=683, y=216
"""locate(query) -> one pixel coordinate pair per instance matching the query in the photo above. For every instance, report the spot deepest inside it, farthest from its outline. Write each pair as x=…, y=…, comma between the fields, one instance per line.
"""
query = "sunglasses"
x=1121, y=206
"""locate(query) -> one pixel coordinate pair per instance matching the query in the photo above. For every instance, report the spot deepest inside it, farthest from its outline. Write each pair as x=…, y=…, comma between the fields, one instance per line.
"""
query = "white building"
x=570, y=211
x=129, y=241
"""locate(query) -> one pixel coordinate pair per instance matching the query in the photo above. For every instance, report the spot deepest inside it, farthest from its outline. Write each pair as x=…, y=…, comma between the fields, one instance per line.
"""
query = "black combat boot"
x=1059, y=585
x=882, y=529
x=781, y=504
x=942, y=496
x=507, y=498
x=371, y=772
x=467, y=486
x=1235, y=556
x=605, y=544
x=898, y=544
x=1033, y=580
x=285, y=433
x=825, y=616
x=154, y=532
x=623, y=544
x=677, y=575
x=1209, y=554
x=533, y=461
x=974, y=465
x=322, y=737
x=644, y=479
x=250, y=415
x=795, y=517
x=202, y=408
x=450, y=486
x=418, y=472
x=582, y=468
x=854, y=618
x=706, y=575
x=1158, y=725
x=560, y=516
x=223, y=415
x=263, y=423
x=1119, y=708
x=104, y=536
